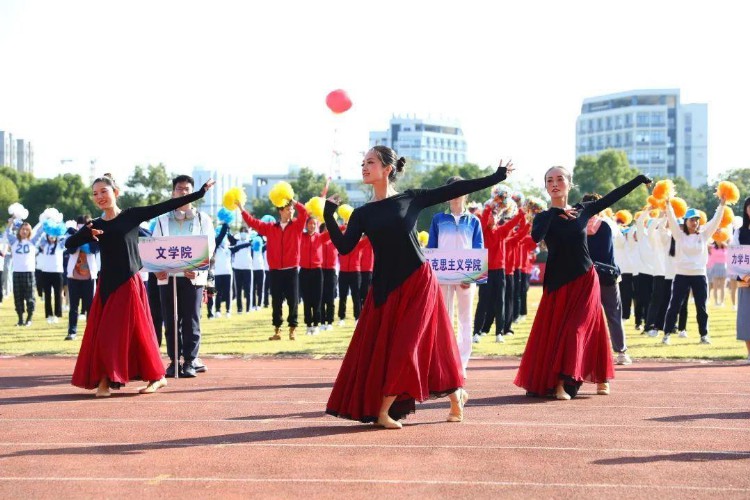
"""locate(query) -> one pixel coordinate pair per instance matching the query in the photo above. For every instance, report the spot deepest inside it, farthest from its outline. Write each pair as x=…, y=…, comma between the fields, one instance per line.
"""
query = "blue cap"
x=691, y=214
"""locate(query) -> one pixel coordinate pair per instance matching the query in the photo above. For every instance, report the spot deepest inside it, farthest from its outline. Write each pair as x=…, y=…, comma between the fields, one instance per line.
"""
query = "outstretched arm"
x=142, y=214
x=430, y=197
x=711, y=226
x=614, y=196
x=344, y=242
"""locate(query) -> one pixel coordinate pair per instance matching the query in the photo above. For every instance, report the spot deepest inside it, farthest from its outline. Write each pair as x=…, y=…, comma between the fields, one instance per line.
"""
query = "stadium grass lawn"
x=247, y=335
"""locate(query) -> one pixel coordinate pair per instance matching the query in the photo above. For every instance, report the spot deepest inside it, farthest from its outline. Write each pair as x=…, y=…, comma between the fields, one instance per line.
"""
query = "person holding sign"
x=119, y=343
x=403, y=348
x=457, y=229
x=184, y=221
x=742, y=237
x=569, y=342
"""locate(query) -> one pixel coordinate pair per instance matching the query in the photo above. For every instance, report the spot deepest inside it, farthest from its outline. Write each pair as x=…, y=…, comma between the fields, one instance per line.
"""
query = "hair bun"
x=400, y=163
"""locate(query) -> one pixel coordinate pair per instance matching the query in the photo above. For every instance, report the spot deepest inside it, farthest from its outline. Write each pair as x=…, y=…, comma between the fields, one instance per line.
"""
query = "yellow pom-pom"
x=679, y=206
x=609, y=212
x=728, y=191
x=315, y=207
x=281, y=194
x=663, y=189
x=655, y=202
x=727, y=218
x=345, y=211
x=722, y=235
x=637, y=214
x=234, y=196
x=623, y=217
x=423, y=238
x=654, y=213
x=703, y=218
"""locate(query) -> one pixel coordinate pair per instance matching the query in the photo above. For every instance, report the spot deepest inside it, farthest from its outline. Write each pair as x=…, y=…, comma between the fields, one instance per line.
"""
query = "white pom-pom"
x=71, y=224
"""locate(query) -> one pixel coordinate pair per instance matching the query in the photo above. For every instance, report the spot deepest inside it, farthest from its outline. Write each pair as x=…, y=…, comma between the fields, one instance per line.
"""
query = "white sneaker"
x=309, y=330
x=475, y=338
x=682, y=334
x=82, y=317
x=229, y=315
x=705, y=339
x=342, y=322
x=499, y=339
x=55, y=319
x=49, y=320
x=217, y=314
x=522, y=318
x=665, y=340
x=653, y=333
x=315, y=330
x=623, y=359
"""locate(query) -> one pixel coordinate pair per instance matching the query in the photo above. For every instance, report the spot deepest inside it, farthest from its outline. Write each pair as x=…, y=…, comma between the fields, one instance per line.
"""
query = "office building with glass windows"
x=428, y=142
x=661, y=136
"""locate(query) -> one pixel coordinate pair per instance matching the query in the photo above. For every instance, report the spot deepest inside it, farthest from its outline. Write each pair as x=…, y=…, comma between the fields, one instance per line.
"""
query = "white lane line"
x=416, y=482
x=341, y=423
x=375, y=446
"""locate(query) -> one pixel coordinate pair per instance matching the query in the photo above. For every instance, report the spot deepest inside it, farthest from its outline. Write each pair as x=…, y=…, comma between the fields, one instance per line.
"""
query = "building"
x=16, y=153
x=661, y=136
x=24, y=156
x=213, y=200
x=427, y=142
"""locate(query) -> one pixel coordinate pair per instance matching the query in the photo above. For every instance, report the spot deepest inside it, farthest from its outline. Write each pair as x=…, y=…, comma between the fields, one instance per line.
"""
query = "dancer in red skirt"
x=569, y=341
x=403, y=348
x=119, y=344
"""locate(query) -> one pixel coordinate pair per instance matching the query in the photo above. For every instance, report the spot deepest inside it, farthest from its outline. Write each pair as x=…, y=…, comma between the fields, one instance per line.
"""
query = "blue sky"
x=242, y=85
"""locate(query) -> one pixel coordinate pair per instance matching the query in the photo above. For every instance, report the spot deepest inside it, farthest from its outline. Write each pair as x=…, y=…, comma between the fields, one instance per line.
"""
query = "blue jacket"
x=445, y=233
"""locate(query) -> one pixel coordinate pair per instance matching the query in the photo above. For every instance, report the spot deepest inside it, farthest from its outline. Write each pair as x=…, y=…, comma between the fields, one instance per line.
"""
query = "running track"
x=256, y=428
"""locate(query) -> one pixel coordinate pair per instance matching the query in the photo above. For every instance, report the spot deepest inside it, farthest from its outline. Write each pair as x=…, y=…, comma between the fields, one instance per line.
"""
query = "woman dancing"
x=119, y=343
x=403, y=348
x=569, y=342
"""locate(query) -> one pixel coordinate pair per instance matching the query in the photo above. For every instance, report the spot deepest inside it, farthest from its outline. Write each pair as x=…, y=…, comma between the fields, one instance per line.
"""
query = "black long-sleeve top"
x=118, y=243
x=568, y=256
x=390, y=226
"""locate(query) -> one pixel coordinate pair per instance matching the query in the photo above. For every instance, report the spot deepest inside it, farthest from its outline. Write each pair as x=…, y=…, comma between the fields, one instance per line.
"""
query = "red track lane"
x=256, y=428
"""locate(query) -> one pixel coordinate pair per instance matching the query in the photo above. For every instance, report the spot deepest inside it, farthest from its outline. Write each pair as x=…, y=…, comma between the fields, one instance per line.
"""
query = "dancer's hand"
x=566, y=213
x=335, y=199
x=95, y=233
x=508, y=168
x=208, y=185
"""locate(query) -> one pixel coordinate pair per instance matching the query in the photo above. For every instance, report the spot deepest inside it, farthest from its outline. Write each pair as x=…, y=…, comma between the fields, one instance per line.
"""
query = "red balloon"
x=338, y=101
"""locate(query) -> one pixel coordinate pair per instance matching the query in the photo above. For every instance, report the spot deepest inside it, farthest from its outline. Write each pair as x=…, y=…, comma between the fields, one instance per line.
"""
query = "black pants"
x=223, y=292
x=657, y=309
x=510, y=286
x=682, y=317
x=494, y=303
x=681, y=287
x=266, y=287
x=257, y=291
x=52, y=287
x=365, y=280
x=329, y=295
x=23, y=292
x=517, y=290
x=1, y=281
x=644, y=284
x=525, y=283
x=311, y=283
x=284, y=286
x=154, y=303
x=189, y=303
x=38, y=283
x=349, y=282
x=243, y=277
x=626, y=293
x=79, y=291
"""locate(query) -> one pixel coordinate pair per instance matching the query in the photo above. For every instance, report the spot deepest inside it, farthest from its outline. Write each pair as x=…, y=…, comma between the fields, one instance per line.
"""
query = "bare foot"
x=385, y=421
x=603, y=389
x=560, y=392
x=103, y=390
x=153, y=386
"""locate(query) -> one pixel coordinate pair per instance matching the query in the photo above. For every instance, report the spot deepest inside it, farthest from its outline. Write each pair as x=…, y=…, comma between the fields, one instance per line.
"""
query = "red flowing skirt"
x=119, y=342
x=569, y=338
x=405, y=348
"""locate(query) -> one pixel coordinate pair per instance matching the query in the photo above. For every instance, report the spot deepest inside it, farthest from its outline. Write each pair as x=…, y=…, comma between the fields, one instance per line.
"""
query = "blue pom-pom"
x=268, y=218
x=54, y=229
x=257, y=244
x=152, y=225
x=225, y=216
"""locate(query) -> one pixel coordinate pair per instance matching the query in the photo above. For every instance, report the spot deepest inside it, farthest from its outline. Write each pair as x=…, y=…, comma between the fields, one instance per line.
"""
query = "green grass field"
x=247, y=334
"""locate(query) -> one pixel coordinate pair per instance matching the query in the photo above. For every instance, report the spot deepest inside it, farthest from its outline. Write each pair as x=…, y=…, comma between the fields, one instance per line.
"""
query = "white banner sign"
x=454, y=267
x=174, y=254
x=738, y=259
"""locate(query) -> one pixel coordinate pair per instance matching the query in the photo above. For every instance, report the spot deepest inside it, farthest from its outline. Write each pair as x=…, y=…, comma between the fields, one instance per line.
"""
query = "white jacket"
x=691, y=251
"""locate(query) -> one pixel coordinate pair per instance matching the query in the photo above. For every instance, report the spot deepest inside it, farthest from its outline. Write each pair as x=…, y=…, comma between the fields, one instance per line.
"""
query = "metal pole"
x=174, y=323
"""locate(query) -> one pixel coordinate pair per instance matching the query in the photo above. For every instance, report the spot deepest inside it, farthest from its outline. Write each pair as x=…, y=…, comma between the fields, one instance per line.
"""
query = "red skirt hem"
x=405, y=347
x=569, y=339
x=119, y=342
